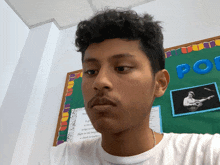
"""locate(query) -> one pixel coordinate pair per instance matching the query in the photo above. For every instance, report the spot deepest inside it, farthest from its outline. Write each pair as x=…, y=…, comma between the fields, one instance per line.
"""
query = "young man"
x=123, y=64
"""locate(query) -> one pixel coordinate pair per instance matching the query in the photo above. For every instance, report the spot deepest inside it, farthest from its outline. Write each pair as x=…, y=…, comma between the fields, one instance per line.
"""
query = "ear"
x=162, y=79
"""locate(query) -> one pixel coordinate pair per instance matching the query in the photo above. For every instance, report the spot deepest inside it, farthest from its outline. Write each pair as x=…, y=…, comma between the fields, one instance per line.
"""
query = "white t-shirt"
x=173, y=149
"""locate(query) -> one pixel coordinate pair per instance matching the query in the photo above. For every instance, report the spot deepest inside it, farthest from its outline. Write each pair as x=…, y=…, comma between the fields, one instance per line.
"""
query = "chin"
x=107, y=126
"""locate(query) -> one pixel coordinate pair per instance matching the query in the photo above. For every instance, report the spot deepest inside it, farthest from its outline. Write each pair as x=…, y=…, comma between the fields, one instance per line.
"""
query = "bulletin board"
x=193, y=67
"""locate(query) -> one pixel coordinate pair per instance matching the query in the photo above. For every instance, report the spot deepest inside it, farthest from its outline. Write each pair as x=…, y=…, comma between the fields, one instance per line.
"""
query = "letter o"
x=208, y=68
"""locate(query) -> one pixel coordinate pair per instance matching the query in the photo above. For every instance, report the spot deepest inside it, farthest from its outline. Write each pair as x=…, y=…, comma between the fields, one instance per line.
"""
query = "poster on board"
x=81, y=128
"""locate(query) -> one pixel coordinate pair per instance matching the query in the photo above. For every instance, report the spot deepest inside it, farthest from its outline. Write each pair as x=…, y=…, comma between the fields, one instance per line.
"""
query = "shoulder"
x=205, y=146
x=186, y=99
x=73, y=152
x=194, y=139
x=194, y=136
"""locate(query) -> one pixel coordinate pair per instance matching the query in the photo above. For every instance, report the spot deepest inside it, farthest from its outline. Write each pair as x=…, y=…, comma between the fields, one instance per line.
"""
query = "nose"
x=103, y=80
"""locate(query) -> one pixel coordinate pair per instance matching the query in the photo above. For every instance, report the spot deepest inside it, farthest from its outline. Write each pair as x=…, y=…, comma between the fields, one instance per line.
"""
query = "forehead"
x=114, y=49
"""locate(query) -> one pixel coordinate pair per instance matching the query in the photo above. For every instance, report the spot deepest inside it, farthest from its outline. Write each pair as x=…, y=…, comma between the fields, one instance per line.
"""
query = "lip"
x=102, y=102
x=103, y=107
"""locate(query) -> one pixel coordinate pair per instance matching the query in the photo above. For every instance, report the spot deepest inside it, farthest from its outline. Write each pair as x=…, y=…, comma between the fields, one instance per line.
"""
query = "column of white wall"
x=65, y=60
x=13, y=35
x=21, y=106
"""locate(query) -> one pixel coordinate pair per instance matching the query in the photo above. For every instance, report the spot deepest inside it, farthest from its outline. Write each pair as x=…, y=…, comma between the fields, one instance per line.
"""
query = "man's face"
x=125, y=80
x=190, y=95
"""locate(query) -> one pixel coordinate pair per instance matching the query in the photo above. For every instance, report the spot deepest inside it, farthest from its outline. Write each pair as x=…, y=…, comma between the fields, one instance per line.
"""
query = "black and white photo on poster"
x=196, y=99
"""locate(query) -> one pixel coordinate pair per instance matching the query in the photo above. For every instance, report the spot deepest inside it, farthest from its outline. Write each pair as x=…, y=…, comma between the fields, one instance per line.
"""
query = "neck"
x=129, y=142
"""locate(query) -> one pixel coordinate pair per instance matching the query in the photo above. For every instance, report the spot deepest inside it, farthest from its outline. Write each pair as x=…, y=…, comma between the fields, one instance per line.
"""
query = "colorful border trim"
x=66, y=108
x=195, y=47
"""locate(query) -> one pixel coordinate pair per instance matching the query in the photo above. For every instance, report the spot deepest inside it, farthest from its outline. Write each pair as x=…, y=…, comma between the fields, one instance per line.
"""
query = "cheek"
x=86, y=89
x=136, y=89
x=137, y=95
x=138, y=99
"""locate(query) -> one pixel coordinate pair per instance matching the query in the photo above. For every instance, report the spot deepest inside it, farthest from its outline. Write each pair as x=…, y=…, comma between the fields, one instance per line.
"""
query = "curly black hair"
x=123, y=24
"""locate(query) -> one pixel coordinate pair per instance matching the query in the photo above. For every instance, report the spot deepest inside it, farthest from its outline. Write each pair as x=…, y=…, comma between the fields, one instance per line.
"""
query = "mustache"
x=97, y=100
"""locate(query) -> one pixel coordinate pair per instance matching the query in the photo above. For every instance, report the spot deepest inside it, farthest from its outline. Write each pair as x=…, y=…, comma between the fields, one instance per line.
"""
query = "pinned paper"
x=64, y=123
x=173, y=52
x=189, y=49
x=212, y=44
x=60, y=142
x=71, y=83
x=165, y=55
x=61, y=133
x=201, y=46
x=78, y=75
x=195, y=48
x=217, y=42
x=68, y=98
x=178, y=51
x=184, y=50
x=69, y=86
x=206, y=45
x=63, y=128
x=65, y=114
x=81, y=74
x=62, y=138
x=66, y=109
x=168, y=54
x=69, y=93
x=64, y=119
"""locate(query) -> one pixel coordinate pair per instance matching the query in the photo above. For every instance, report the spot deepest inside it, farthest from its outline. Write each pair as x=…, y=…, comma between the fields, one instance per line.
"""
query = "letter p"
x=182, y=69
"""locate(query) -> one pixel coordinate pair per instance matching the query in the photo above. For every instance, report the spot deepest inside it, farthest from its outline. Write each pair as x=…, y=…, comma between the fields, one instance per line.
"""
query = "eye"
x=89, y=72
x=123, y=68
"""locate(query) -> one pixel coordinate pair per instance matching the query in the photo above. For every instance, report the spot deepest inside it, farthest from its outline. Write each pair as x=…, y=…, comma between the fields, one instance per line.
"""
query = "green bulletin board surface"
x=206, y=122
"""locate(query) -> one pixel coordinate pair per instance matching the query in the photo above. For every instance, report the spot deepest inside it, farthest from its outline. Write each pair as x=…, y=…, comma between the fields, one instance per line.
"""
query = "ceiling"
x=64, y=13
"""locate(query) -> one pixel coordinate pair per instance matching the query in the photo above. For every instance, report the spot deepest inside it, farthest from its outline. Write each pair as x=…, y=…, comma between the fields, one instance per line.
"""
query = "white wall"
x=21, y=108
x=66, y=59
x=184, y=21
x=13, y=34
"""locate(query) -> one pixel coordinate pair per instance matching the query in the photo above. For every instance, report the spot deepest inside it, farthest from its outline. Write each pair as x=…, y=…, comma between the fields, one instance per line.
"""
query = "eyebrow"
x=116, y=56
